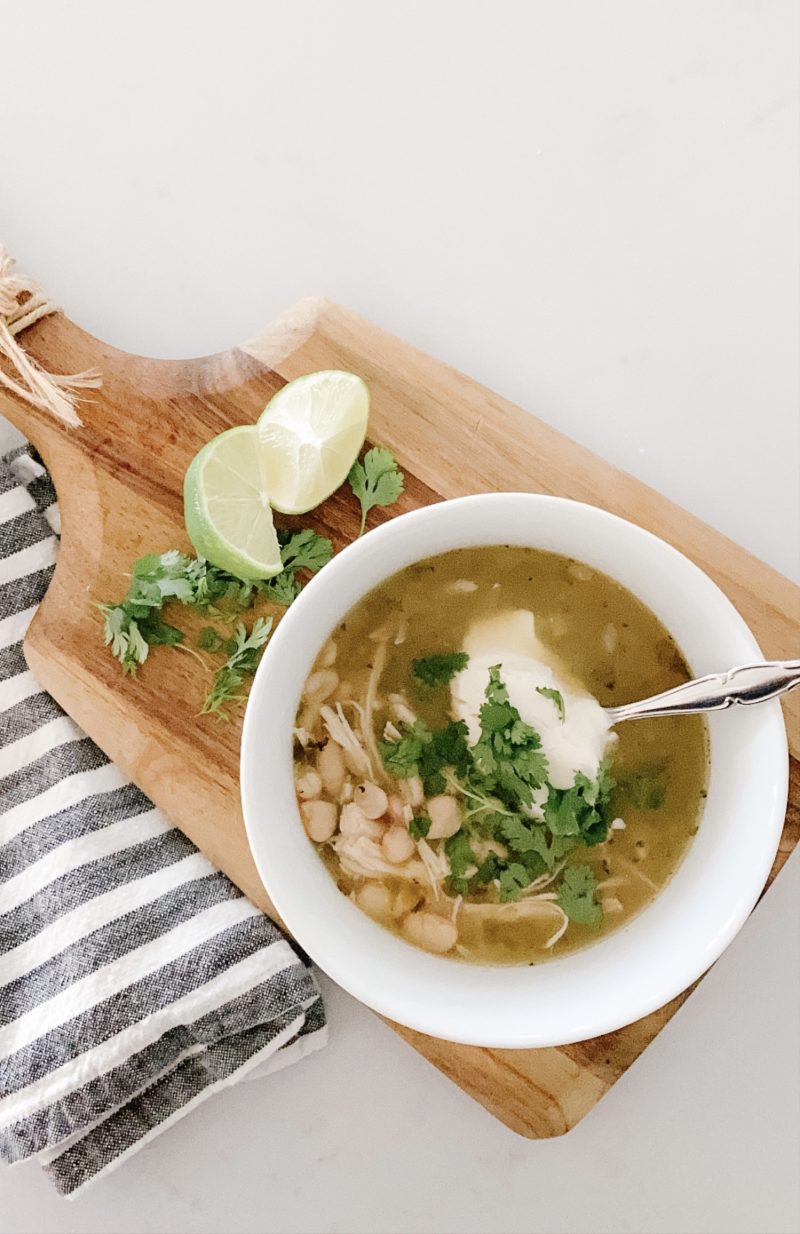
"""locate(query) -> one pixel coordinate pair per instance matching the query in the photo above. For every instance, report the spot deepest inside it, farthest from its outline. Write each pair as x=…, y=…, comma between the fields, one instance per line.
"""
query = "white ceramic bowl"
x=617, y=979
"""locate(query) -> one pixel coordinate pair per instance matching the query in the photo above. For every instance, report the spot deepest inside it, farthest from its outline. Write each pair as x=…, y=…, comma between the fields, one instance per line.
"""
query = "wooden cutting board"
x=119, y=478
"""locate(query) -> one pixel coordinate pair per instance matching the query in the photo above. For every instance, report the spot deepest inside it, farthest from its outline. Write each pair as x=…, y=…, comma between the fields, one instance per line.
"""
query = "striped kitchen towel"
x=135, y=979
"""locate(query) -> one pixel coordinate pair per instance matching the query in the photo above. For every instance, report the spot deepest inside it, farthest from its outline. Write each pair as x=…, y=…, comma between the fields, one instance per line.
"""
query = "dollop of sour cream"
x=577, y=743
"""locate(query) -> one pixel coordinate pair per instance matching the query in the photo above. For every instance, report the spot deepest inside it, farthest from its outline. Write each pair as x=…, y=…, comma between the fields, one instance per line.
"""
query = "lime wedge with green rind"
x=310, y=433
x=227, y=507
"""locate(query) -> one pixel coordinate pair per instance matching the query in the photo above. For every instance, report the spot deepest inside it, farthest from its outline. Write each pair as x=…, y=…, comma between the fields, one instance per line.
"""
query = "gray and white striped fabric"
x=135, y=979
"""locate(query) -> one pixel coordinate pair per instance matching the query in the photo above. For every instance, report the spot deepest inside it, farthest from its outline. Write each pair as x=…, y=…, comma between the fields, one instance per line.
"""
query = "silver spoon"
x=752, y=683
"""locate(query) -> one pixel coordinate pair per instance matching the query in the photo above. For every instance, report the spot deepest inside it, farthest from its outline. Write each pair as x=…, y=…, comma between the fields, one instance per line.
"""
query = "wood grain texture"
x=119, y=479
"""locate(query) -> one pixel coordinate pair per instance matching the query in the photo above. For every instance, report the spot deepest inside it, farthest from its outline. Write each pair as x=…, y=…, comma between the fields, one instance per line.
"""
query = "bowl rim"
x=432, y=994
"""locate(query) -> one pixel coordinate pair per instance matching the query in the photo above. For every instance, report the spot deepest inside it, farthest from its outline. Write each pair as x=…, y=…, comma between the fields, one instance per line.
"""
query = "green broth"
x=614, y=646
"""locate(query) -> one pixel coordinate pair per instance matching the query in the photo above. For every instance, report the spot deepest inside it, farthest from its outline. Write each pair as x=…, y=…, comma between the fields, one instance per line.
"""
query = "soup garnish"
x=456, y=768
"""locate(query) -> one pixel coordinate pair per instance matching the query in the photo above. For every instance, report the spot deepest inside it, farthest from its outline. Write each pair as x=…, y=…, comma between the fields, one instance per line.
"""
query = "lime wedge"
x=310, y=434
x=226, y=506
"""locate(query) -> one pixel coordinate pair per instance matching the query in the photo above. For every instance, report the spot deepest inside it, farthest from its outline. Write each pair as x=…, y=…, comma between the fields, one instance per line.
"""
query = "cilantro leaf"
x=507, y=755
x=208, y=639
x=519, y=835
x=577, y=894
x=160, y=633
x=419, y=826
x=424, y=753
x=512, y=880
x=556, y=697
x=437, y=670
x=445, y=747
x=495, y=717
x=121, y=632
x=401, y=758
x=377, y=481
x=304, y=550
x=242, y=661
x=581, y=810
x=489, y=869
x=458, y=851
x=131, y=630
x=283, y=589
x=300, y=550
x=647, y=787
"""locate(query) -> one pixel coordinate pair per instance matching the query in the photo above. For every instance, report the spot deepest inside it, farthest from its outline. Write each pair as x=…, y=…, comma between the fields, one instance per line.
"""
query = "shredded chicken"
x=362, y=857
x=543, y=880
x=482, y=849
x=512, y=908
x=340, y=730
x=562, y=929
x=545, y=903
x=367, y=727
x=436, y=865
x=629, y=865
x=400, y=710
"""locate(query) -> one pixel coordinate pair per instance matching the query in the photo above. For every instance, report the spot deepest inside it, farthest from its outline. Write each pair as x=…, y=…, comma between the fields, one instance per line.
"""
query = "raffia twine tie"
x=22, y=302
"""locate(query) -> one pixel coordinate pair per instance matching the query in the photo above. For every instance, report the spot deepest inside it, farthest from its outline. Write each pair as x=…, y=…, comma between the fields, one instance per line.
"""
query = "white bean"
x=321, y=685
x=308, y=783
x=396, y=809
x=558, y=625
x=610, y=637
x=308, y=718
x=354, y=823
x=330, y=765
x=445, y=815
x=397, y=845
x=401, y=710
x=405, y=900
x=328, y=656
x=371, y=799
x=376, y=900
x=319, y=819
x=431, y=932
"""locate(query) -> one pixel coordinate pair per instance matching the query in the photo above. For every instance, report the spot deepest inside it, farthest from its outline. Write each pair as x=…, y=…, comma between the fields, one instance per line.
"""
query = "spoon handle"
x=752, y=683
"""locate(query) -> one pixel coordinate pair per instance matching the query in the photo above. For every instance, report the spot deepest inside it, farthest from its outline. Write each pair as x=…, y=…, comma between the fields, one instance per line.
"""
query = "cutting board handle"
x=109, y=433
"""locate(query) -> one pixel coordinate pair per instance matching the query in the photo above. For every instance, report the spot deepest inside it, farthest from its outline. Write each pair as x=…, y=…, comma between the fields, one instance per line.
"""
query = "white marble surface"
x=591, y=207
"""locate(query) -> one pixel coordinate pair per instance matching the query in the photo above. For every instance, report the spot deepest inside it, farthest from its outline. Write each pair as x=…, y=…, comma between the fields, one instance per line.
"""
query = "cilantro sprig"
x=419, y=826
x=134, y=625
x=502, y=782
x=577, y=895
x=300, y=550
x=244, y=651
x=376, y=481
x=556, y=697
x=131, y=630
x=439, y=669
